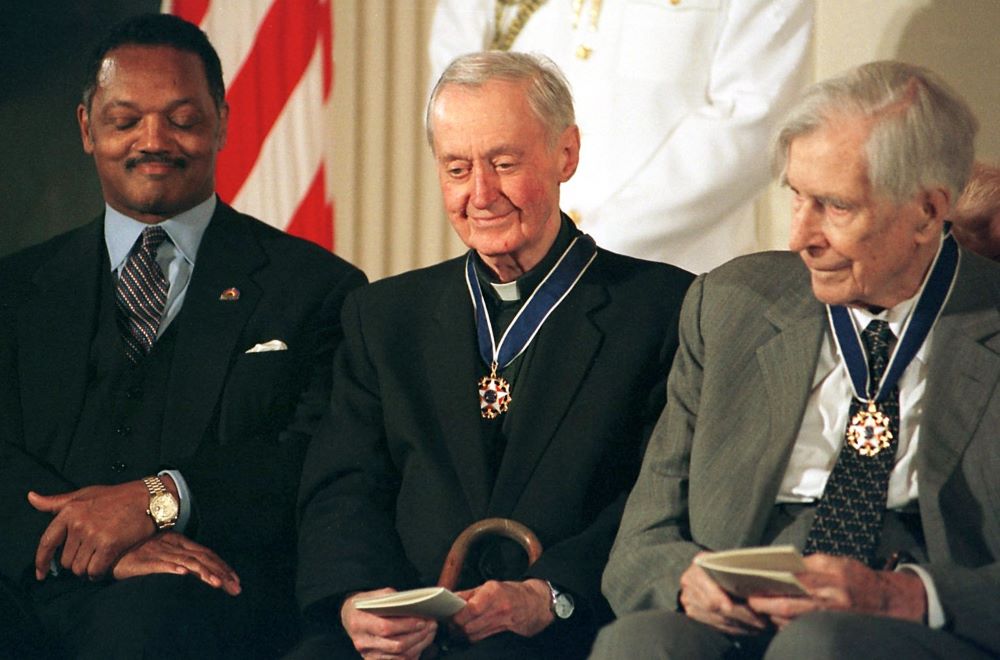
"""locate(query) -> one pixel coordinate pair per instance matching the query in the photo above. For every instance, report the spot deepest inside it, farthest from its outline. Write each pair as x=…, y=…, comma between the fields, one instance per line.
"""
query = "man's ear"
x=569, y=152
x=83, y=119
x=935, y=204
x=223, y=125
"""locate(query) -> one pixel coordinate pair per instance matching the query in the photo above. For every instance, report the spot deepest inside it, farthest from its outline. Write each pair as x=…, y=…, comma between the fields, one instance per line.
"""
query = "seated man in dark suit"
x=519, y=380
x=161, y=369
x=842, y=400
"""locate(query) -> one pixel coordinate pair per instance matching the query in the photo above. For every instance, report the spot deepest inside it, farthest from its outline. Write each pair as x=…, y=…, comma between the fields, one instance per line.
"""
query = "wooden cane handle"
x=492, y=526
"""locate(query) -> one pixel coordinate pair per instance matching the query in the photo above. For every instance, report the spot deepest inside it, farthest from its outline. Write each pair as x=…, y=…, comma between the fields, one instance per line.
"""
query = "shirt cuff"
x=184, y=497
x=935, y=612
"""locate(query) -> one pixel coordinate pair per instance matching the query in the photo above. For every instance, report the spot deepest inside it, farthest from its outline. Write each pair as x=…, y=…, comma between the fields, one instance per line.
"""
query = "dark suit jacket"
x=235, y=424
x=401, y=469
x=751, y=333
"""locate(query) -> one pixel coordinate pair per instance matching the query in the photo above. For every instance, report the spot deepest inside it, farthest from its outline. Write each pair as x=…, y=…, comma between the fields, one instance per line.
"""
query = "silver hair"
x=922, y=132
x=548, y=91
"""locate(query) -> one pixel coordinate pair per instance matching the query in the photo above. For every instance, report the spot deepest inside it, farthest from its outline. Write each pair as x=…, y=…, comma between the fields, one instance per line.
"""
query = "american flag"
x=278, y=67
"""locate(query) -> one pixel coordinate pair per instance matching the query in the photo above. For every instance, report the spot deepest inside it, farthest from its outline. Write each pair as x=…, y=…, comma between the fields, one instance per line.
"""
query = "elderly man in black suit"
x=519, y=380
x=161, y=369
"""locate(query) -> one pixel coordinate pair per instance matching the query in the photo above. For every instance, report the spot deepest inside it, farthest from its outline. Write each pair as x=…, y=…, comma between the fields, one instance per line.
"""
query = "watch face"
x=563, y=606
x=163, y=508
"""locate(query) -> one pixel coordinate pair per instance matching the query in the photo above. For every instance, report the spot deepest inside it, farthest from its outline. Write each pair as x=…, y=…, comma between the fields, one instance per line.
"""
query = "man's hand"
x=843, y=584
x=520, y=607
x=705, y=601
x=94, y=526
x=403, y=637
x=174, y=553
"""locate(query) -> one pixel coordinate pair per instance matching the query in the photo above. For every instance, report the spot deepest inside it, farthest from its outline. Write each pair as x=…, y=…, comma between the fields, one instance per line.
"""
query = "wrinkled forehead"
x=502, y=93
x=835, y=151
x=497, y=101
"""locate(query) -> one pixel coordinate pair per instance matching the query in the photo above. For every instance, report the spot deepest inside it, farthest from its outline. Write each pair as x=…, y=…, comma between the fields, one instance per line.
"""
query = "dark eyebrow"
x=131, y=105
x=112, y=105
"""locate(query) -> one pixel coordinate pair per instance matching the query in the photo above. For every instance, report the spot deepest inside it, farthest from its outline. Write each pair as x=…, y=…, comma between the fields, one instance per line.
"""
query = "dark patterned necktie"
x=141, y=294
x=849, y=517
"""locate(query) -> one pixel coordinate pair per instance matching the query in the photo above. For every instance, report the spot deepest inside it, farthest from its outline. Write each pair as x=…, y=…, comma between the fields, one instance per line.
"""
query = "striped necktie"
x=141, y=294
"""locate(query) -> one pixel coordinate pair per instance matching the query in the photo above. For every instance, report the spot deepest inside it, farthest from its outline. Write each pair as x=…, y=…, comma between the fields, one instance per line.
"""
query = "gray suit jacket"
x=750, y=337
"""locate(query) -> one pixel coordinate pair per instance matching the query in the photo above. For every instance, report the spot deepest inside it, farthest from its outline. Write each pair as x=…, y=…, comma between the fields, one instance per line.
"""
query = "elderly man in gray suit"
x=843, y=400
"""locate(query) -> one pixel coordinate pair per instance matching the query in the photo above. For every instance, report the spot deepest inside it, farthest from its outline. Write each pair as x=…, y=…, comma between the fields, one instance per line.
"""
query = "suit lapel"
x=53, y=362
x=454, y=356
x=962, y=376
x=209, y=328
x=547, y=389
x=787, y=366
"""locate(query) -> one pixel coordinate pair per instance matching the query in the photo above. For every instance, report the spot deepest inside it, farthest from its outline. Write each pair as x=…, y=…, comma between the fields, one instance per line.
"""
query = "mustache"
x=131, y=163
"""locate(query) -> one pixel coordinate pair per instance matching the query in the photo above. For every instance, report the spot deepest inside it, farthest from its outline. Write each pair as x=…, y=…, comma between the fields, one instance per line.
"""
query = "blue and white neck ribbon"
x=494, y=391
x=913, y=333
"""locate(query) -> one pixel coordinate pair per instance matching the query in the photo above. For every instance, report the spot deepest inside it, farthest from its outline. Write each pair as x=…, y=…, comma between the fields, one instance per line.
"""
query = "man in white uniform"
x=675, y=99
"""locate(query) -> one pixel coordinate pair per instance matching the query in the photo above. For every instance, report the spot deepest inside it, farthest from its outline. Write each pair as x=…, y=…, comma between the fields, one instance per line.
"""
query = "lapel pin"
x=231, y=294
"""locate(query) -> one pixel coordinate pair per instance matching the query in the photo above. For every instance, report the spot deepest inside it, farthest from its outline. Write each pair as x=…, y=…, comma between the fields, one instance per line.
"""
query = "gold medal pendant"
x=494, y=394
x=869, y=431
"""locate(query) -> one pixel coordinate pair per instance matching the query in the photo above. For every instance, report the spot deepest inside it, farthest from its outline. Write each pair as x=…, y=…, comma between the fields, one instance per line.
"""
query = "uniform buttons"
x=133, y=393
x=118, y=466
x=123, y=430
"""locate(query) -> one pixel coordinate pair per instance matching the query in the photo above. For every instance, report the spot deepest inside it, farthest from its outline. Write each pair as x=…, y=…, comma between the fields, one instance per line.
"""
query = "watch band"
x=154, y=485
x=160, y=498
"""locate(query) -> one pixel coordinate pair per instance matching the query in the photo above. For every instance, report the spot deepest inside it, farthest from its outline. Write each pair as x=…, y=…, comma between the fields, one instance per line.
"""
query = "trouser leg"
x=659, y=635
x=838, y=635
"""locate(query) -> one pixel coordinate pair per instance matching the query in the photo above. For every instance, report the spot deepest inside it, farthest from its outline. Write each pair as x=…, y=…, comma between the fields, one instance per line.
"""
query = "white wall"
x=388, y=213
x=956, y=38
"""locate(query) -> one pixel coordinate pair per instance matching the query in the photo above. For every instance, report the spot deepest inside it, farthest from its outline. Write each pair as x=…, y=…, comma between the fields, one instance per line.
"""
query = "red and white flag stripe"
x=278, y=66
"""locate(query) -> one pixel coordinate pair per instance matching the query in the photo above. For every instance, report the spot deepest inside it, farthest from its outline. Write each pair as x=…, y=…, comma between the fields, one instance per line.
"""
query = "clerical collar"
x=506, y=291
x=525, y=285
x=528, y=317
x=185, y=231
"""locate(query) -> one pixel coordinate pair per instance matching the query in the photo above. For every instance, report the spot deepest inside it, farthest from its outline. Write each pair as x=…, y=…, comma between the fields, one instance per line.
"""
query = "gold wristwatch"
x=163, y=507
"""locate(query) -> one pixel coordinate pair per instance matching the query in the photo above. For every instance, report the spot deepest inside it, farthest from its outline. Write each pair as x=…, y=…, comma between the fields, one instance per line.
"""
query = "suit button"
x=118, y=466
x=133, y=393
x=123, y=430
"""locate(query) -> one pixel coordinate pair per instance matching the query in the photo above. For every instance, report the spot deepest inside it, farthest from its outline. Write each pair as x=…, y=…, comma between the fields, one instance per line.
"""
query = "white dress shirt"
x=821, y=434
x=823, y=425
x=176, y=257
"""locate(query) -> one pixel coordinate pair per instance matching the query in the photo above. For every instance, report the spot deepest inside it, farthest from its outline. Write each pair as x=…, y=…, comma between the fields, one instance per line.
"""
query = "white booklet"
x=429, y=602
x=766, y=570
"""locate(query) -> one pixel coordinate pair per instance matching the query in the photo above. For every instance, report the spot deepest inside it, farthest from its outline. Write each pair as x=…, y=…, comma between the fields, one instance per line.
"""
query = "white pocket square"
x=273, y=345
